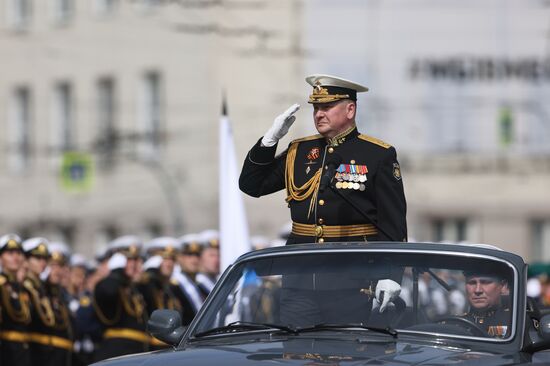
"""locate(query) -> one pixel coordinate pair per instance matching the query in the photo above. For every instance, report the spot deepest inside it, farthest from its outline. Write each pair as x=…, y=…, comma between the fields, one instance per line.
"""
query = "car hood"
x=315, y=351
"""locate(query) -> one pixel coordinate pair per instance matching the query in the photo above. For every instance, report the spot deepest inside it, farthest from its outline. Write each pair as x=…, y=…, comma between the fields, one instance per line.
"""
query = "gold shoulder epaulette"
x=375, y=141
x=2, y=280
x=174, y=282
x=27, y=283
x=307, y=138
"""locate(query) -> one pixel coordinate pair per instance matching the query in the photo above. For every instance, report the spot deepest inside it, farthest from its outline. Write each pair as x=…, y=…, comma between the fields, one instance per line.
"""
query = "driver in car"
x=486, y=292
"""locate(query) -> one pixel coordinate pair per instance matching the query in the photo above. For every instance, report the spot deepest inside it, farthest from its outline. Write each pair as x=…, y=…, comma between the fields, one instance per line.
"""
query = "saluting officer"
x=15, y=314
x=341, y=185
x=119, y=305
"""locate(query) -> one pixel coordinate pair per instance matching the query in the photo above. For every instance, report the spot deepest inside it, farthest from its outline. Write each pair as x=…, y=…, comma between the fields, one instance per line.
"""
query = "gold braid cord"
x=102, y=317
x=22, y=315
x=42, y=304
x=309, y=189
x=132, y=303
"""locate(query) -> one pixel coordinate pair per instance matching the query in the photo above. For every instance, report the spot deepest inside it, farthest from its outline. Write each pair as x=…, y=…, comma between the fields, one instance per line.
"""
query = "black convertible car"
x=316, y=305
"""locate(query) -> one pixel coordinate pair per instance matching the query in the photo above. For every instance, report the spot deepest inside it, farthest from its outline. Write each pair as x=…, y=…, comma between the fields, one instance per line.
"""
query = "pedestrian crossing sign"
x=76, y=171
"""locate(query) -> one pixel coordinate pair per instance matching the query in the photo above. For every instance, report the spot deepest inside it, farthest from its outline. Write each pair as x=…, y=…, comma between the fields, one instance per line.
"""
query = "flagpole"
x=234, y=236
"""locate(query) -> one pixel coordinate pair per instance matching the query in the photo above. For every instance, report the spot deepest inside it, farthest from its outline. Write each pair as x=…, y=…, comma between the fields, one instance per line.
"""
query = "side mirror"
x=165, y=325
x=544, y=327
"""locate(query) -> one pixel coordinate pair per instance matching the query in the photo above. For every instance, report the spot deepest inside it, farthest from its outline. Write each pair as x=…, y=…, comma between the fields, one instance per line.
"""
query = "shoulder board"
x=308, y=138
x=2, y=280
x=28, y=284
x=174, y=282
x=375, y=141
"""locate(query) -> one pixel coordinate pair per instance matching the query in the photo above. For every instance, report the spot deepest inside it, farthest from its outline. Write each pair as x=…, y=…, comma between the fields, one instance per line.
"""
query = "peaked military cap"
x=191, y=244
x=10, y=242
x=59, y=253
x=493, y=271
x=36, y=247
x=152, y=263
x=210, y=239
x=165, y=246
x=129, y=245
x=328, y=88
x=78, y=260
x=117, y=261
x=102, y=253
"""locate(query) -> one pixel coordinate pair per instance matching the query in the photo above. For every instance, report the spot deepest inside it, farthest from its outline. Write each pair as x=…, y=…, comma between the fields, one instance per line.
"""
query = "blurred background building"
x=111, y=108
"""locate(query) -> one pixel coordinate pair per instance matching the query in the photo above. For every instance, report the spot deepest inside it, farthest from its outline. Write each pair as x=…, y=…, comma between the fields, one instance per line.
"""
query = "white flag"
x=234, y=239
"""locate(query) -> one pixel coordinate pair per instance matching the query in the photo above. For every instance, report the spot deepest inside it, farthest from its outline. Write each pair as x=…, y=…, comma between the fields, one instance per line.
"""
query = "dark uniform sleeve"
x=391, y=204
x=187, y=312
x=146, y=291
x=106, y=297
x=262, y=172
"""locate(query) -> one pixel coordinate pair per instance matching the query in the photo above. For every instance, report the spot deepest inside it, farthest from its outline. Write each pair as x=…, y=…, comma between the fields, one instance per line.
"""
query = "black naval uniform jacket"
x=159, y=293
x=14, y=319
x=378, y=195
x=62, y=329
x=50, y=331
x=121, y=309
x=495, y=322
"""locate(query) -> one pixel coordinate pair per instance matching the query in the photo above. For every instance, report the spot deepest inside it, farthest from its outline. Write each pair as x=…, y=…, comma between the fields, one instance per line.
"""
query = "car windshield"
x=447, y=293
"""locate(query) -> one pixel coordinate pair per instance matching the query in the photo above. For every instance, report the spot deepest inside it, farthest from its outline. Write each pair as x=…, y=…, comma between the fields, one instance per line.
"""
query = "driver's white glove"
x=386, y=291
x=280, y=126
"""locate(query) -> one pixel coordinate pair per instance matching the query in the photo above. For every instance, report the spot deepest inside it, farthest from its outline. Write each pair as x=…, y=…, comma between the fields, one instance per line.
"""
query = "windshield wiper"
x=244, y=326
x=323, y=326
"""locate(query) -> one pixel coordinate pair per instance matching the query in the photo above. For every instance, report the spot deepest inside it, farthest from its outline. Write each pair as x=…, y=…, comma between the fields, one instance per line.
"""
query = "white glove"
x=386, y=291
x=280, y=126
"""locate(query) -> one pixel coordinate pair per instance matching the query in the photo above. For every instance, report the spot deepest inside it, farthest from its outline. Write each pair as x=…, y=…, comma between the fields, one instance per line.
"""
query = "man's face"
x=37, y=265
x=133, y=268
x=189, y=262
x=11, y=260
x=210, y=261
x=57, y=273
x=333, y=118
x=78, y=276
x=483, y=291
x=167, y=267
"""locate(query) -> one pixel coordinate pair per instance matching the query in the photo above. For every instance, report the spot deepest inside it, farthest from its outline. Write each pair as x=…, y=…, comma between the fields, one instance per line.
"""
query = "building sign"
x=477, y=68
x=76, y=172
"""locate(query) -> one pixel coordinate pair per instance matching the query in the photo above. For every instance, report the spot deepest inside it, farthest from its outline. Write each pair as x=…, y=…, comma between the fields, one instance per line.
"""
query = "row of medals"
x=350, y=181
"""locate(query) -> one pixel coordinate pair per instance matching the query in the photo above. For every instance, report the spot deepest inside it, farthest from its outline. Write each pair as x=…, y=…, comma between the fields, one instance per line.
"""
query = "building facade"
x=111, y=110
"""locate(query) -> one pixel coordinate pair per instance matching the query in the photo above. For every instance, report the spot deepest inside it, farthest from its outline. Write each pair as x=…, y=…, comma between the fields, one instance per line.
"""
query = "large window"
x=150, y=115
x=456, y=229
x=105, y=7
x=19, y=131
x=18, y=13
x=63, y=10
x=63, y=117
x=106, y=112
